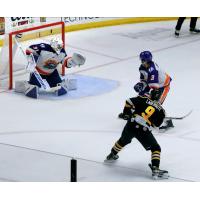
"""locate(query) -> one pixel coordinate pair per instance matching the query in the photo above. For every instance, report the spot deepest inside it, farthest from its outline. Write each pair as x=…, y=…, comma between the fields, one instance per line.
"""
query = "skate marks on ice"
x=88, y=169
x=157, y=34
x=116, y=171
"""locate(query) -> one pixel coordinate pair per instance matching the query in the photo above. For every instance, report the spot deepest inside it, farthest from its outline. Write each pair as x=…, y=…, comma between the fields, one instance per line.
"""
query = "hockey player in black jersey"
x=143, y=115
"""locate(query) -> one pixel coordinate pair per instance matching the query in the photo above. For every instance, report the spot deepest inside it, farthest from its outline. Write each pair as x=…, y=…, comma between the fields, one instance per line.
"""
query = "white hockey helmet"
x=57, y=44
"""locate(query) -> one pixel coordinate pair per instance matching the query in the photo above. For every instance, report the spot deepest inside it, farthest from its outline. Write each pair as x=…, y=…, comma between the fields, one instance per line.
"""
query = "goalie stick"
x=179, y=118
x=44, y=84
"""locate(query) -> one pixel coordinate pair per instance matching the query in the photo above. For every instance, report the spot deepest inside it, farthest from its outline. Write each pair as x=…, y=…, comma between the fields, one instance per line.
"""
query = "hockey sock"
x=155, y=158
x=116, y=148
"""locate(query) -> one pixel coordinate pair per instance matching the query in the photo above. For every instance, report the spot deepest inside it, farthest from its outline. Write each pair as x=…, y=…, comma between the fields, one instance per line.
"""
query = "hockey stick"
x=44, y=84
x=179, y=118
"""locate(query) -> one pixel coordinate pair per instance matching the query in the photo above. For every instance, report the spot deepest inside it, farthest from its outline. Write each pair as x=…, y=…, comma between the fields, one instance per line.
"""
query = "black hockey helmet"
x=155, y=94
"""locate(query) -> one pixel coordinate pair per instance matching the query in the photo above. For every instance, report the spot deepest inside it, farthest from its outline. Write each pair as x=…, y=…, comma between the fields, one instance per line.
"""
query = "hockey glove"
x=76, y=59
x=140, y=86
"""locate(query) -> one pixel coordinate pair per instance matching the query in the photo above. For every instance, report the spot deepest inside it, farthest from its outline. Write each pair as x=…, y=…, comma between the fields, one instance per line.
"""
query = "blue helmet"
x=146, y=56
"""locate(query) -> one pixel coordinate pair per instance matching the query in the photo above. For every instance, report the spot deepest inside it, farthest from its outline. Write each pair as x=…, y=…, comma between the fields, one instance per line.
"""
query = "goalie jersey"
x=154, y=76
x=46, y=58
x=146, y=112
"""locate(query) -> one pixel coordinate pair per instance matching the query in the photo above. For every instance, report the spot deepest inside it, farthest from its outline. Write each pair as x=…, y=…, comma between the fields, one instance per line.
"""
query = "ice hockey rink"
x=39, y=137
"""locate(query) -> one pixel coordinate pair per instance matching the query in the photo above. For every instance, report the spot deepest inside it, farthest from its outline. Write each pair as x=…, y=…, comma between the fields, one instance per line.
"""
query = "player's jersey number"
x=147, y=113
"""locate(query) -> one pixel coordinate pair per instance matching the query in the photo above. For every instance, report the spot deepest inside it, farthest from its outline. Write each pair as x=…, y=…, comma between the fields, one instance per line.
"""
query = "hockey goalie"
x=43, y=61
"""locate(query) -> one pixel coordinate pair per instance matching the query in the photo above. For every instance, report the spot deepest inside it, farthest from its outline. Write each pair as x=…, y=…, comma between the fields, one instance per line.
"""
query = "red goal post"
x=11, y=34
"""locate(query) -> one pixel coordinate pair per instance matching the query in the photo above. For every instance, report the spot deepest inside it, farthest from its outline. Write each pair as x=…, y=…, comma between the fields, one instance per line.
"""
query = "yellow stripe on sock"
x=116, y=144
x=116, y=149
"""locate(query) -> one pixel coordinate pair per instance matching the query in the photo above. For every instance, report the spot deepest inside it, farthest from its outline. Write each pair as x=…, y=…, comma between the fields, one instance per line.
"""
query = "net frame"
x=13, y=33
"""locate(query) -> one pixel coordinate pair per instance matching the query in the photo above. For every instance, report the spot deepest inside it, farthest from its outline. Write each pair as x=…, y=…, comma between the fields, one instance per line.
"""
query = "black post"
x=73, y=170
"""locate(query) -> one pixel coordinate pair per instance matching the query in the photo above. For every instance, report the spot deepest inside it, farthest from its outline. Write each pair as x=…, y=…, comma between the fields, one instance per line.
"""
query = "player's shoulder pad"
x=142, y=68
x=46, y=47
x=136, y=99
x=40, y=46
x=152, y=68
x=35, y=47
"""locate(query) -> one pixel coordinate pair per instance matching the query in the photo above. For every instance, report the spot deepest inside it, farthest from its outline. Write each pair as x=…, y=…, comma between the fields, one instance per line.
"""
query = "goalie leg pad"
x=26, y=88
x=70, y=84
x=61, y=91
x=20, y=86
x=31, y=91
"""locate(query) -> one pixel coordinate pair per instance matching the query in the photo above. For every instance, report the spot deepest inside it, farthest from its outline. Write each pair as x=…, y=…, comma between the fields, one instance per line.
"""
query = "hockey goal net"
x=12, y=60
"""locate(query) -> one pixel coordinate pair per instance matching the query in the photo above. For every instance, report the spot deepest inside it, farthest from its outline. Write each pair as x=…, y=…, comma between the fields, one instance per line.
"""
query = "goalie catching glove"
x=76, y=59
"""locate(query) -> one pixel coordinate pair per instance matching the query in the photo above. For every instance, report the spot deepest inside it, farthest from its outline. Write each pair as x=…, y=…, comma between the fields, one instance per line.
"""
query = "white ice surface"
x=38, y=137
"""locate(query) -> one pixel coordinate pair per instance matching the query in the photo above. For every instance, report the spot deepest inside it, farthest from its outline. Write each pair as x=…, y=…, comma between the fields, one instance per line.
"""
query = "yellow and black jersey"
x=151, y=112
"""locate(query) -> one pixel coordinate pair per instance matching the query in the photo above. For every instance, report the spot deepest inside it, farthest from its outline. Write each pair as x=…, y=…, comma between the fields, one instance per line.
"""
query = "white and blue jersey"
x=46, y=58
x=154, y=76
x=47, y=61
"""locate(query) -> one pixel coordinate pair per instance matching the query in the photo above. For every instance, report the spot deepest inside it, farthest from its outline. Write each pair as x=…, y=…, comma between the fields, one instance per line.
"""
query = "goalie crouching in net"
x=43, y=61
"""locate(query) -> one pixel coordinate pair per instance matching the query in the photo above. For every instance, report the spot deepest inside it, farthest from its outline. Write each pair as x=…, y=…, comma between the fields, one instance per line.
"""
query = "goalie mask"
x=56, y=44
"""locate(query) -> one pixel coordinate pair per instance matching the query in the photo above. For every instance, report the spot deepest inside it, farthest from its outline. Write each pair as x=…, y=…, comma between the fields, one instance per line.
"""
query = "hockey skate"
x=111, y=157
x=158, y=173
x=168, y=124
x=176, y=33
x=62, y=90
x=194, y=30
x=123, y=116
